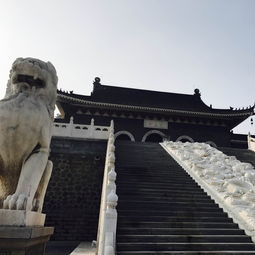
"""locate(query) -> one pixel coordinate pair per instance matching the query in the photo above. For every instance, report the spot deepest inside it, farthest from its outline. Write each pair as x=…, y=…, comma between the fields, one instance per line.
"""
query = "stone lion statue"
x=26, y=118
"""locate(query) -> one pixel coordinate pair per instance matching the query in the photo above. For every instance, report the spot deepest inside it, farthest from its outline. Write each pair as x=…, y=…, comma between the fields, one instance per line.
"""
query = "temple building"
x=113, y=182
x=152, y=116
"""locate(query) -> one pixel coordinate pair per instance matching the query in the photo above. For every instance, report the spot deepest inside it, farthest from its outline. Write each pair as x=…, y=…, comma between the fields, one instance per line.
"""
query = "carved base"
x=21, y=218
x=24, y=240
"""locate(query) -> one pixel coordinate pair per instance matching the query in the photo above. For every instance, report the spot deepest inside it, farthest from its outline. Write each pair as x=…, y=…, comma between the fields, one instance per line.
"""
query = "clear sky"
x=165, y=45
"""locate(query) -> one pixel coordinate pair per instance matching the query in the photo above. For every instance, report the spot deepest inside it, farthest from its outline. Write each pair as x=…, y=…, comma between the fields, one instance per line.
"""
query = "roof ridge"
x=229, y=114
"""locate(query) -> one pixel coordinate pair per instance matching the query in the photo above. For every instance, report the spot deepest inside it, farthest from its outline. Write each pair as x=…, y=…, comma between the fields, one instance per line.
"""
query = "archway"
x=184, y=138
x=124, y=136
x=153, y=136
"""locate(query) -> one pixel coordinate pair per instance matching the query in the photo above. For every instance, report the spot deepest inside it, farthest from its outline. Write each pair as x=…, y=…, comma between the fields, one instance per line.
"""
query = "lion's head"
x=33, y=76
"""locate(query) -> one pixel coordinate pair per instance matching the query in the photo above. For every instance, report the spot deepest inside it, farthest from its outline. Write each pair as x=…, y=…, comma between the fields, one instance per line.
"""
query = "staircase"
x=161, y=210
x=243, y=155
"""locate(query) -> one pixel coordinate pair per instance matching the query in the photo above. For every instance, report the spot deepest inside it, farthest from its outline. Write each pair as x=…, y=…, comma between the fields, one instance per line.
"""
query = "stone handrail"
x=80, y=131
x=251, y=142
x=106, y=236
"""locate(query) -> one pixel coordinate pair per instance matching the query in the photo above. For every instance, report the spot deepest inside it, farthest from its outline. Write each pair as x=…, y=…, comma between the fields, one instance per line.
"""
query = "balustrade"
x=107, y=223
x=81, y=131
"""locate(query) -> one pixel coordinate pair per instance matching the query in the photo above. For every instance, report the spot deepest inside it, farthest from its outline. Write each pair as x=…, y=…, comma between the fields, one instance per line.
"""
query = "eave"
x=239, y=114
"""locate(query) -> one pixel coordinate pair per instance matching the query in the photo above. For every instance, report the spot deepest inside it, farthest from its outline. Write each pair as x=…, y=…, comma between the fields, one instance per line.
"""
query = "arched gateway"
x=124, y=136
x=185, y=138
x=153, y=136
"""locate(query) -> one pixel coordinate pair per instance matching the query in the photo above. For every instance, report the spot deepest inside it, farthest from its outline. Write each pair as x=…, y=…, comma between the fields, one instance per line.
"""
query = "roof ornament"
x=97, y=81
x=197, y=92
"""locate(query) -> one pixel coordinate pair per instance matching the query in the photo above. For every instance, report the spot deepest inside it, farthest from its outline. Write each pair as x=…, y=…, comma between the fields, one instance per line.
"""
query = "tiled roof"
x=153, y=101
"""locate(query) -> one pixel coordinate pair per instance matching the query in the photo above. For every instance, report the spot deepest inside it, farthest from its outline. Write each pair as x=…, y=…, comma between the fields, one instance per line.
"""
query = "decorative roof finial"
x=197, y=92
x=97, y=81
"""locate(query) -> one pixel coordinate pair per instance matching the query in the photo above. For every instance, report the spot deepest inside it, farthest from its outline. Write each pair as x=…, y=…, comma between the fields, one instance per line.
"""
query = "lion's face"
x=33, y=76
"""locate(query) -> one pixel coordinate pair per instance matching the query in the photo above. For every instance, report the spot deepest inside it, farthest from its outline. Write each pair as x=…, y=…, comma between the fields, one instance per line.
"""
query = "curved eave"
x=239, y=114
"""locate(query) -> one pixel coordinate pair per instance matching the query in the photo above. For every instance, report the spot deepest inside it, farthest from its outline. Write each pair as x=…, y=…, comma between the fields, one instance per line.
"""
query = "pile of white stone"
x=228, y=181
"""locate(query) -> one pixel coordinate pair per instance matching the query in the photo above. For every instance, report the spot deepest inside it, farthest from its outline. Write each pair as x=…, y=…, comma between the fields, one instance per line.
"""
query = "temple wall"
x=73, y=196
x=199, y=133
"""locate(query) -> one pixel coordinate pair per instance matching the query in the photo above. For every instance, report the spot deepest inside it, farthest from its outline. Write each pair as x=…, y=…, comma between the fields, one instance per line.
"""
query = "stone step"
x=152, y=156
x=158, y=194
x=136, y=202
x=149, y=210
x=134, y=149
x=162, y=194
x=164, y=179
x=185, y=238
x=178, y=231
x=167, y=177
x=160, y=189
x=154, y=179
x=164, y=164
x=155, y=185
x=143, y=151
x=139, y=162
x=186, y=252
x=166, y=205
x=168, y=171
x=161, y=181
x=148, y=224
x=136, y=218
x=151, y=246
x=241, y=154
x=126, y=197
x=184, y=213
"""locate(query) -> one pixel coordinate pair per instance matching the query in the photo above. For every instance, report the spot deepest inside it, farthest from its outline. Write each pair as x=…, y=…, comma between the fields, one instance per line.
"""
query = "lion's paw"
x=15, y=202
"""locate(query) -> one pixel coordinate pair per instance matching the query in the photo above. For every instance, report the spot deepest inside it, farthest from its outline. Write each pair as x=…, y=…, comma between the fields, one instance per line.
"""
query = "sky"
x=164, y=45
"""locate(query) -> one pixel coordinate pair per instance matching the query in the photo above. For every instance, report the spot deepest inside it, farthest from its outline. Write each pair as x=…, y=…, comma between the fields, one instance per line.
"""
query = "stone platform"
x=24, y=240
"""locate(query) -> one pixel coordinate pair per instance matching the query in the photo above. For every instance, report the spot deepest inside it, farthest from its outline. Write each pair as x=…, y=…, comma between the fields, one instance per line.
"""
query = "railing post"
x=111, y=220
x=92, y=128
x=249, y=140
x=109, y=249
x=111, y=186
x=70, y=127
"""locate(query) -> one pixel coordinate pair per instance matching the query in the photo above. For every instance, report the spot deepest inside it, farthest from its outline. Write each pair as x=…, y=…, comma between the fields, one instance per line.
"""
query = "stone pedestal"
x=22, y=232
x=24, y=240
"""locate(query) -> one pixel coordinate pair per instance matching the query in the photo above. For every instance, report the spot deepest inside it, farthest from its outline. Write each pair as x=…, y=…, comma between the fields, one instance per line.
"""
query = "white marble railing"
x=251, y=142
x=228, y=181
x=106, y=236
x=80, y=131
